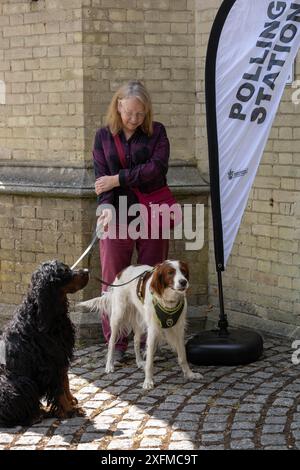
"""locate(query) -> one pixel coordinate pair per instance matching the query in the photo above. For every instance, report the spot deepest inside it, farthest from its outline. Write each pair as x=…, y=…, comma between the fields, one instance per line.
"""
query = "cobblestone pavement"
x=249, y=407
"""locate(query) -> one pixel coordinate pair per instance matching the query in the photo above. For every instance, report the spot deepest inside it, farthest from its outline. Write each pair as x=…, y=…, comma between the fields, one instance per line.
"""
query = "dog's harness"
x=166, y=317
x=141, y=285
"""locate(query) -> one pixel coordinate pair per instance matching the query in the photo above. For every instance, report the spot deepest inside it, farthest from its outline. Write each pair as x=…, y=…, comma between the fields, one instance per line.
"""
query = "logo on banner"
x=274, y=44
x=236, y=174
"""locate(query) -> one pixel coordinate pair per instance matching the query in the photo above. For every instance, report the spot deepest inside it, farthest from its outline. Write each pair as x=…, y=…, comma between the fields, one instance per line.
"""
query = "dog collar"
x=167, y=317
x=141, y=285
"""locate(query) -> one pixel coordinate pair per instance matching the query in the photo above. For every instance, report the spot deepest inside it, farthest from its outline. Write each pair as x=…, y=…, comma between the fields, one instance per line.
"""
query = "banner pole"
x=223, y=323
x=237, y=346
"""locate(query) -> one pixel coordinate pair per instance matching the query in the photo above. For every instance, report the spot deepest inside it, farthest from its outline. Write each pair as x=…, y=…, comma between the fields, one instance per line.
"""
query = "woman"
x=146, y=147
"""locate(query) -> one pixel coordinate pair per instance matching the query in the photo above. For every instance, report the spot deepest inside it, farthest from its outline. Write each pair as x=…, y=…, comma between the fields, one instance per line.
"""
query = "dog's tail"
x=101, y=304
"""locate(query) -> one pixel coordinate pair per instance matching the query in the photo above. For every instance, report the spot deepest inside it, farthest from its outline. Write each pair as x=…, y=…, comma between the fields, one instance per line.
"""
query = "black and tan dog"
x=38, y=346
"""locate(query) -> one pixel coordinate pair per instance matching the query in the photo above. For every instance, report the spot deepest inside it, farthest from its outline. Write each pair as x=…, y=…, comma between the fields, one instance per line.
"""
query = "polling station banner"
x=252, y=46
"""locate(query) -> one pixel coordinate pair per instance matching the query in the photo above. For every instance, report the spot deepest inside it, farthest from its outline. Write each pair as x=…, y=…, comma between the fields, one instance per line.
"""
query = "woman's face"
x=132, y=112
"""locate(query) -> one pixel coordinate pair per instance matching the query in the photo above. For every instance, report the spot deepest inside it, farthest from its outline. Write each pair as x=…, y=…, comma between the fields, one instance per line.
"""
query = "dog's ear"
x=48, y=308
x=157, y=281
x=47, y=294
x=184, y=267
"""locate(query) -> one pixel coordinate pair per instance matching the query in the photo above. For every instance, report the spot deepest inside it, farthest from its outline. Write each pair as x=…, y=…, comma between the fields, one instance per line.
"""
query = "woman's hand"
x=103, y=221
x=106, y=183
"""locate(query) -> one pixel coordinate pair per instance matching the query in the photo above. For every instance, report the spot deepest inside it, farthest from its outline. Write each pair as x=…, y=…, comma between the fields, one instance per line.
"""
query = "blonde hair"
x=132, y=89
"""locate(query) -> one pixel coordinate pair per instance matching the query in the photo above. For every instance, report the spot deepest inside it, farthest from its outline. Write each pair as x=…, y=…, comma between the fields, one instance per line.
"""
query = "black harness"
x=166, y=317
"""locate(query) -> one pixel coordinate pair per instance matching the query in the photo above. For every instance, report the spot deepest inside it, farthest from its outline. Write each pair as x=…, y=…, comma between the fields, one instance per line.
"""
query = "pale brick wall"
x=61, y=61
x=46, y=45
x=205, y=12
x=35, y=229
x=41, y=65
x=150, y=40
x=263, y=274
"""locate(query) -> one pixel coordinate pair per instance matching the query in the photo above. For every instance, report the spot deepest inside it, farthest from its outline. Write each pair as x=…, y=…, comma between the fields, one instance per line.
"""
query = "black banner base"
x=238, y=347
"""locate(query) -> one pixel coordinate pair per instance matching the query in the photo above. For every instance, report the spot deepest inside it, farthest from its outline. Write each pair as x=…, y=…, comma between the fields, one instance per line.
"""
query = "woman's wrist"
x=116, y=181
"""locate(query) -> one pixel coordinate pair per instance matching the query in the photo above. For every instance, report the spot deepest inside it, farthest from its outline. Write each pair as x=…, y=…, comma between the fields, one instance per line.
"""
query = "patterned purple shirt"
x=147, y=162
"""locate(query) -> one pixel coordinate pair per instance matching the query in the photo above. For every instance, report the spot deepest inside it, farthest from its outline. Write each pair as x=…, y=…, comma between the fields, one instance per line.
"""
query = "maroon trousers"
x=116, y=254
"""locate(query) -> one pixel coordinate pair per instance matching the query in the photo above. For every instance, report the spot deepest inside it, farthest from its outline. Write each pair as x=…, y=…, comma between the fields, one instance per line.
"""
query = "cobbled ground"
x=247, y=407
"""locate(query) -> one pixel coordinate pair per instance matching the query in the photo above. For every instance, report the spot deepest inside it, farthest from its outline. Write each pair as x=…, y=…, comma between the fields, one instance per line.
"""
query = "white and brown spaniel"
x=155, y=304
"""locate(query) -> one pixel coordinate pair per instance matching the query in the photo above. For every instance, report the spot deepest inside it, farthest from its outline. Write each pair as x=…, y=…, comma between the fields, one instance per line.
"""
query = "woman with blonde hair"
x=146, y=149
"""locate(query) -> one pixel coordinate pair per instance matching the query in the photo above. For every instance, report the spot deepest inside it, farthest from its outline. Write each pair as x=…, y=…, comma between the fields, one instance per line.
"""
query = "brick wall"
x=41, y=65
x=150, y=40
x=263, y=275
x=37, y=229
x=61, y=61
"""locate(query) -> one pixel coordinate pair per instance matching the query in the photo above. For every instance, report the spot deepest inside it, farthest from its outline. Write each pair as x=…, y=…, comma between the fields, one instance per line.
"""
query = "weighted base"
x=237, y=348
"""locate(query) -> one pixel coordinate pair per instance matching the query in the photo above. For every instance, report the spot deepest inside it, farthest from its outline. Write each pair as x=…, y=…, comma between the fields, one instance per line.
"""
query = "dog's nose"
x=183, y=282
x=81, y=272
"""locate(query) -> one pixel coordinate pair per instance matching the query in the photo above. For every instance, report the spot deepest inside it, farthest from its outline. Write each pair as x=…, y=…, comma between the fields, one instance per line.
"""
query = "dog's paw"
x=141, y=364
x=148, y=384
x=109, y=368
x=57, y=411
x=73, y=400
x=193, y=375
x=65, y=413
x=78, y=411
